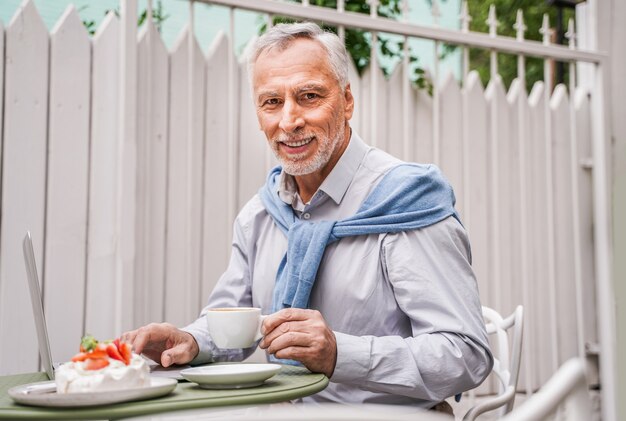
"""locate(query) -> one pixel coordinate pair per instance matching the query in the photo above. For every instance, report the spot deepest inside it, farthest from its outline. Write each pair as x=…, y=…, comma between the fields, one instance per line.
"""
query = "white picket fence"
x=133, y=230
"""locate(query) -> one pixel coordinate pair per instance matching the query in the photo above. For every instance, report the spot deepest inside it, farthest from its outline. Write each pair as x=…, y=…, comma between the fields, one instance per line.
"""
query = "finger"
x=180, y=354
x=286, y=315
x=297, y=353
x=145, y=336
x=139, y=342
x=284, y=328
x=128, y=336
x=287, y=340
x=153, y=355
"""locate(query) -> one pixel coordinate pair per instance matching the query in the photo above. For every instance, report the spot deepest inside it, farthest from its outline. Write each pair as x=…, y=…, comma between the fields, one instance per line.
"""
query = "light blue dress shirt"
x=404, y=307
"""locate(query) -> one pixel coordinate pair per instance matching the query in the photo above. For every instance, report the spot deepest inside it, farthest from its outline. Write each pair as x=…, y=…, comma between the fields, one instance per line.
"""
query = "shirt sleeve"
x=434, y=285
x=233, y=289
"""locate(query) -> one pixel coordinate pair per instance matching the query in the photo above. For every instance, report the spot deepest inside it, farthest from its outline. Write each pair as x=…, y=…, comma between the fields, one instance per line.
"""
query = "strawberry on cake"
x=101, y=366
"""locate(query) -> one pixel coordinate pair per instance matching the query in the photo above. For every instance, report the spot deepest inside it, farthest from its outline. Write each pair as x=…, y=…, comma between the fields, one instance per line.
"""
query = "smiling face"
x=301, y=108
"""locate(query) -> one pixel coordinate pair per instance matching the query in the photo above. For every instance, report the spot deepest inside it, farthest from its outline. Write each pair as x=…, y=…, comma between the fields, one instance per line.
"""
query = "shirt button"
x=306, y=215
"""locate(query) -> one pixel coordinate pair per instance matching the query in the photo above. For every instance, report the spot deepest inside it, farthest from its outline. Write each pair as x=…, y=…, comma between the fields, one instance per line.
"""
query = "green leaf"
x=88, y=343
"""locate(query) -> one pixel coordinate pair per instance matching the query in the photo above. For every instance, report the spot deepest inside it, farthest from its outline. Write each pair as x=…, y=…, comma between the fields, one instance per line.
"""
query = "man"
x=359, y=259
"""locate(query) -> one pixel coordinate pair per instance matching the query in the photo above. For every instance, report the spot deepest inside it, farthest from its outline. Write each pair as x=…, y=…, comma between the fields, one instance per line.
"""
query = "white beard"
x=296, y=165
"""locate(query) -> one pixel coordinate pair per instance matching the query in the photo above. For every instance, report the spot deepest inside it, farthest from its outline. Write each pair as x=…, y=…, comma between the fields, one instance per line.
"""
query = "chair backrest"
x=568, y=387
x=506, y=362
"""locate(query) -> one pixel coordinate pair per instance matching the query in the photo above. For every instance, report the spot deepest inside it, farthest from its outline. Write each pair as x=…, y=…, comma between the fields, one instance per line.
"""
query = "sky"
x=210, y=19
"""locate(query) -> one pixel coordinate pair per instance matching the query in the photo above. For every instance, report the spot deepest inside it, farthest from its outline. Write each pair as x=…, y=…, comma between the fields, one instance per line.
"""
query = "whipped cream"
x=72, y=377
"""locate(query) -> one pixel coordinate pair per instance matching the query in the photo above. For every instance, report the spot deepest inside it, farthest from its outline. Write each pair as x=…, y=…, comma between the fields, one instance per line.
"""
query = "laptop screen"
x=37, y=303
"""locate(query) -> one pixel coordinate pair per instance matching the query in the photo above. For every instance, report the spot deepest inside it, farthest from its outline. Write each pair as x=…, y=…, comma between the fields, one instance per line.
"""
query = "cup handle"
x=259, y=335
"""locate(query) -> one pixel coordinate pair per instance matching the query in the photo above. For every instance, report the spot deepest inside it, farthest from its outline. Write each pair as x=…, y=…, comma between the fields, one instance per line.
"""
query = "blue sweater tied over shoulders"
x=408, y=197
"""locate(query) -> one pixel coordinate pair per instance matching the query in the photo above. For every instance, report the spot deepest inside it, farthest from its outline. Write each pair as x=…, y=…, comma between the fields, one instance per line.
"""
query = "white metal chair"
x=568, y=387
x=506, y=362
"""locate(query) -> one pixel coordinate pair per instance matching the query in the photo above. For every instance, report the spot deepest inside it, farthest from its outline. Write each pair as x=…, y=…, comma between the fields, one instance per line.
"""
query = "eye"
x=309, y=96
x=271, y=101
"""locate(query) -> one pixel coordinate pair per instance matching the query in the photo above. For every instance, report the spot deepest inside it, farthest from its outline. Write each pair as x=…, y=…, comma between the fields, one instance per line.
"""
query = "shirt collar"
x=337, y=182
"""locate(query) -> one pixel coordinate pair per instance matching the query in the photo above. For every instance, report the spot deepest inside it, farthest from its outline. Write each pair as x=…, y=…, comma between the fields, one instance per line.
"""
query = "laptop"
x=37, y=304
x=156, y=370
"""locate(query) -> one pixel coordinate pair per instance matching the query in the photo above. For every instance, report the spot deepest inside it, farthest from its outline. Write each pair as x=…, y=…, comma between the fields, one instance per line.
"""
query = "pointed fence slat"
x=252, y=143
x=499, y=220
x=564, y=238
x=451, y=137
x=538, y=315
x=176, y=270
x=68, y=159
x=183, y=248
x=152, y=150
x=23, y=183
x=381, y=125
x=394, y=117
x=380, y=138
x=216, y=225
x=102, y=238
x=412, y=127
x=233, y=139
x=424, y=148
x=127, y=168
x=478, y=189
x=195, y=171
x=510, y=197
x=498, y=131
x=520, y=209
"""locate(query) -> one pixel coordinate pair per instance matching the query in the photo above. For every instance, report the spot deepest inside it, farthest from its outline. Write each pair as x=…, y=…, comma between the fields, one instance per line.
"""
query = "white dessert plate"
x=37, y=394
x=230, y=376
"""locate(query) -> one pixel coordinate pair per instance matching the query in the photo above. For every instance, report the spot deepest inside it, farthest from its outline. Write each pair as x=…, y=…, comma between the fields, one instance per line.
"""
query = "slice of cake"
x=101, y=366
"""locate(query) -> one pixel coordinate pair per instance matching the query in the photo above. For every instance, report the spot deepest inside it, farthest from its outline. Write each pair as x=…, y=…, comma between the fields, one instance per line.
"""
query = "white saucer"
x=230, y=376
x=23, y=394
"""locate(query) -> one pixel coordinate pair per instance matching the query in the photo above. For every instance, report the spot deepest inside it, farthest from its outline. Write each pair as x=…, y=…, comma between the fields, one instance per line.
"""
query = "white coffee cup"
x=235, y=327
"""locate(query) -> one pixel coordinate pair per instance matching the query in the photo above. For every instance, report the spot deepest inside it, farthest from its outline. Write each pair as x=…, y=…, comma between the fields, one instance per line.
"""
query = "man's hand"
x=301, y=335
x=163, y=343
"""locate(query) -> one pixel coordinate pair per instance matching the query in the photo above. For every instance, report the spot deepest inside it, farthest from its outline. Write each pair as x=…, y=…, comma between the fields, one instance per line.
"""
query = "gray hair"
x=283, y=34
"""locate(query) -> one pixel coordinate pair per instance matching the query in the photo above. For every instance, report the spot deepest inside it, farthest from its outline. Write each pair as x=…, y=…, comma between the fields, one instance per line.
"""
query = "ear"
x=349, y=103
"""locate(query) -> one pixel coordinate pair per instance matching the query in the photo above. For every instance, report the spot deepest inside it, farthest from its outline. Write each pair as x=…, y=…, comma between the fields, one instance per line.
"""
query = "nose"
x=291, y=119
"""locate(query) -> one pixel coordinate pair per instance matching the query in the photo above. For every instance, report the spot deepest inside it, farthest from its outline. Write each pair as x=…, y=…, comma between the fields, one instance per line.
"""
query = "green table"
x=290, y=383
